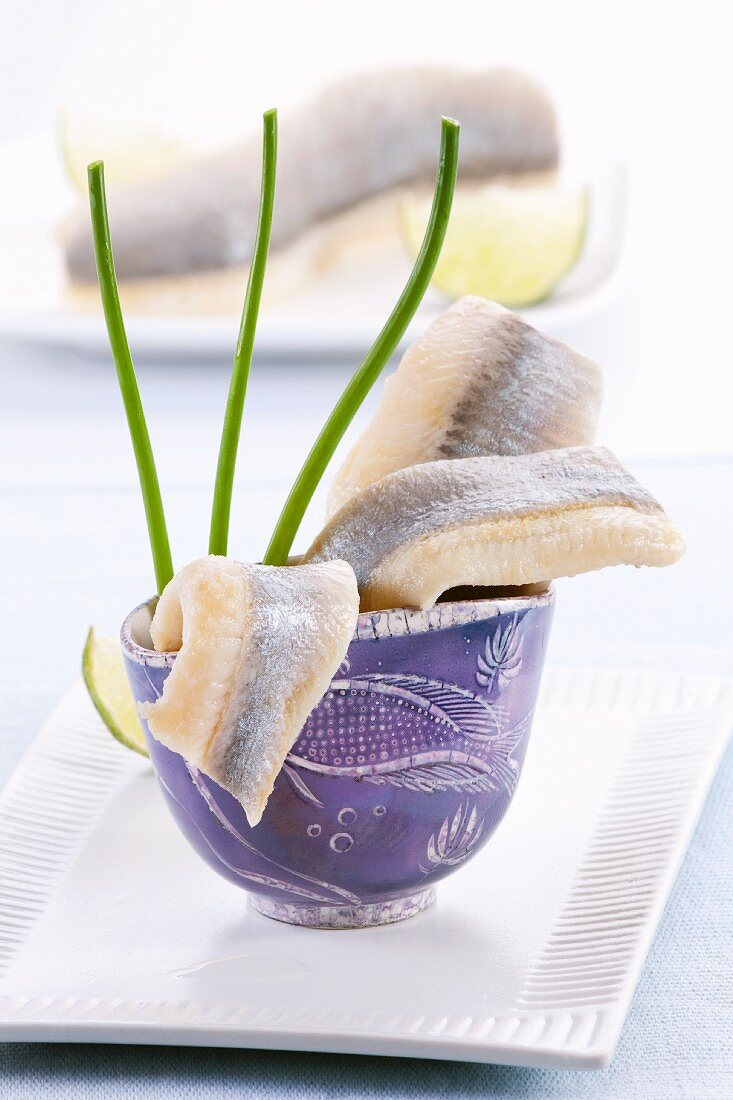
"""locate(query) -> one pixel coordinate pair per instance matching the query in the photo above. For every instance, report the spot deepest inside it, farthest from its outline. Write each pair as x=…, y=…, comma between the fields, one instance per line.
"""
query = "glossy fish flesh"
x=509, y=520
x=480, y=381
x=257, y=647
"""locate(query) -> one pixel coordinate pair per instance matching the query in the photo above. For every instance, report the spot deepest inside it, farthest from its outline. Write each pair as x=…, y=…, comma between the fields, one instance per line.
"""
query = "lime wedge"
x=130, y=152
x=509, y=244
x=104, y=675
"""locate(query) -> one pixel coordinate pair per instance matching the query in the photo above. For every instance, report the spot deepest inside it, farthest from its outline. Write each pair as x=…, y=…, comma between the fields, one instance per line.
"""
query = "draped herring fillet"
x=257, y=647
x=480, y=381
x=509, y=520
x=363, y=137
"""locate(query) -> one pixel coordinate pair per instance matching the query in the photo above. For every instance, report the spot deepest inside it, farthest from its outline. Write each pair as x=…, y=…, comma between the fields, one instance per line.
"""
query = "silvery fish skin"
x=363, y=137
x=480, y=381
x=508, y=520
x=257, y=647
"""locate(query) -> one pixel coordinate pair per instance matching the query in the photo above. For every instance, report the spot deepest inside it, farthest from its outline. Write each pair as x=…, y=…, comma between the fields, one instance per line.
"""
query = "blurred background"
x=642, y=94
x=641, y=85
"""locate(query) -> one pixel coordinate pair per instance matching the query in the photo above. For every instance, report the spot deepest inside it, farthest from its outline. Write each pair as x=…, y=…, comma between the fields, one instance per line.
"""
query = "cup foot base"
x=344, y=916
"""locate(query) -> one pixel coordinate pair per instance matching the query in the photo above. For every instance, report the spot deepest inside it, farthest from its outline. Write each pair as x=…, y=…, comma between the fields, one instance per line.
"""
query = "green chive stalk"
x=154, y=514
x=379, y=353
x=222, y=503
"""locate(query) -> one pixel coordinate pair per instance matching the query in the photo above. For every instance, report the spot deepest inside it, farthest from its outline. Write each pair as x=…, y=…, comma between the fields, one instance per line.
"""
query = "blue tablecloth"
x=75, y=554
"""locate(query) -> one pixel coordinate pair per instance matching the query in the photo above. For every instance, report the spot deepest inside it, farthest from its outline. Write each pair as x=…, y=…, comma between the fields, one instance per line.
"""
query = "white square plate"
x=111, y=930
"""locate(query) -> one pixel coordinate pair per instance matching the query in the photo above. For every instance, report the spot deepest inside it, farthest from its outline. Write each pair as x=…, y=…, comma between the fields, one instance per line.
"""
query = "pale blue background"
x=73, y=551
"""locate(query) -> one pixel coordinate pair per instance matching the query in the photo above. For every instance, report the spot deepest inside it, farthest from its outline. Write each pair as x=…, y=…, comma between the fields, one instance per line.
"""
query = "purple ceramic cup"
x=402, y=772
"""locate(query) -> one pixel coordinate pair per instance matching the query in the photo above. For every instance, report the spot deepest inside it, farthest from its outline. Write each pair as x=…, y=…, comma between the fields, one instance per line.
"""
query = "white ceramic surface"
x=112, y=931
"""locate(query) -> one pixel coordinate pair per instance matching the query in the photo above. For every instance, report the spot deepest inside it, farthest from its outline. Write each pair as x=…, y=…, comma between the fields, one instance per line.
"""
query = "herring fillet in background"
x=198, y=221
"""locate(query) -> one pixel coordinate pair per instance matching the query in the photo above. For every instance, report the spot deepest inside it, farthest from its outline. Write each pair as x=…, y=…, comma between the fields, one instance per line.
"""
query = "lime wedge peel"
x=104, y=674
x=509, y=244
x=131, y=153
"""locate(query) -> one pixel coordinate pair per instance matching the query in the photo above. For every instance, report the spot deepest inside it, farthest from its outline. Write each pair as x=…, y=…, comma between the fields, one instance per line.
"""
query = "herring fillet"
x=361, y=137
x=479, y=381
x=257, y=648
x=493, y=521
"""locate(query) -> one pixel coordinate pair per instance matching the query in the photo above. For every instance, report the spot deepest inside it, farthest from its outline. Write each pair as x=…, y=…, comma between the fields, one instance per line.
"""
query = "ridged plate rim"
x=578, y=988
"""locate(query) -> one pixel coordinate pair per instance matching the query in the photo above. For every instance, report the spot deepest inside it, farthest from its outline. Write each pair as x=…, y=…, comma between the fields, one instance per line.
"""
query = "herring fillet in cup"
x=256, y=649
x=495, y=520
x=413, y=748
x=338, y=764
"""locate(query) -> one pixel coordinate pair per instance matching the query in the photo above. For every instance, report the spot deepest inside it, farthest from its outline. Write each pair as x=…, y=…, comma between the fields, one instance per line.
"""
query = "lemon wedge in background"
x=509, y=244
x=104, y=675
x=130, y=152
